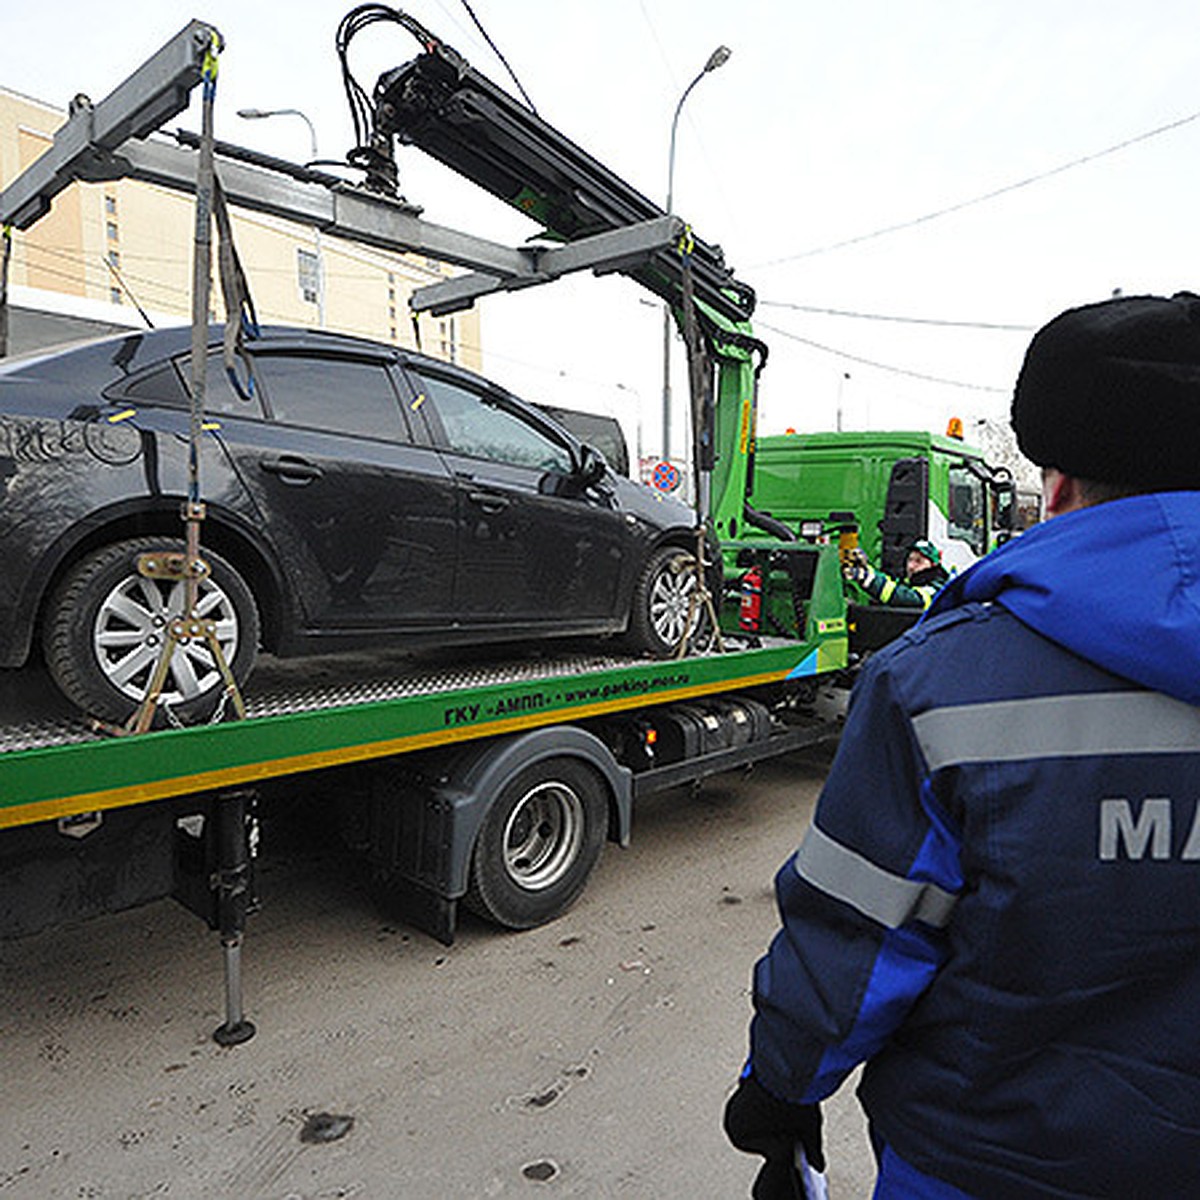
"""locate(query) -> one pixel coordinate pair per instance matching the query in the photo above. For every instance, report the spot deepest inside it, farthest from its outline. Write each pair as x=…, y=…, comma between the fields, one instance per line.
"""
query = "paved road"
x=588, y=1058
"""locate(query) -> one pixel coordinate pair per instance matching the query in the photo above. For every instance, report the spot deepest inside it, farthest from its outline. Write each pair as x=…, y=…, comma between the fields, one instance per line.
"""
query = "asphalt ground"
x=591, y=1057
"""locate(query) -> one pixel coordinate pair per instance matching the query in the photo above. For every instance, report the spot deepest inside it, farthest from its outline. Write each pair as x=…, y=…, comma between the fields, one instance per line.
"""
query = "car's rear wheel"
x=538, y=844
x=664, y=608
x=106, y=626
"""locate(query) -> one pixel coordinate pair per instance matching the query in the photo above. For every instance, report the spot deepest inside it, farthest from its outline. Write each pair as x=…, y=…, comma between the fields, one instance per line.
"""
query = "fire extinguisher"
x=750, y=609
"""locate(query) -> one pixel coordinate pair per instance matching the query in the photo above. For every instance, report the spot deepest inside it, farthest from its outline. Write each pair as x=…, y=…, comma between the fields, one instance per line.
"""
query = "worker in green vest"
x=923, y=577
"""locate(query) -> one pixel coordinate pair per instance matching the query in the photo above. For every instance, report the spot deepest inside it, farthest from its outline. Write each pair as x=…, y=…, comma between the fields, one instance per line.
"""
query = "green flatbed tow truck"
x=489, y=781
x=496, y=782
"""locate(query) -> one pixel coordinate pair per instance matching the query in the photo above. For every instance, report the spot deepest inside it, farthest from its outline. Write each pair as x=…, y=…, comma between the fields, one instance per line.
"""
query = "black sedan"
x=362, y=496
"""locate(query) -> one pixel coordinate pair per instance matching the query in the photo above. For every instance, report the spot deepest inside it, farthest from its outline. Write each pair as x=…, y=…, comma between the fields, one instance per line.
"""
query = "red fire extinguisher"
x=750, y=609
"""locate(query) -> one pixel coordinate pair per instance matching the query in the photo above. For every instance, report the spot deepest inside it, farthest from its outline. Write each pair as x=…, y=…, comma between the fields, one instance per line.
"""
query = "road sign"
x=664, y=477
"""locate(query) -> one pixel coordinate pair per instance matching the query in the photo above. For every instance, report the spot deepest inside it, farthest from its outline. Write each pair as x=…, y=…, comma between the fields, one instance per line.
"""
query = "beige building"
x=107, y=250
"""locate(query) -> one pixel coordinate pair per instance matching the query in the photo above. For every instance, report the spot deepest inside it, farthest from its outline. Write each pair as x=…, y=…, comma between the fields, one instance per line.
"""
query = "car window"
x=341, y=395
x=475, y=425
x=165, y=384
x=603, y=432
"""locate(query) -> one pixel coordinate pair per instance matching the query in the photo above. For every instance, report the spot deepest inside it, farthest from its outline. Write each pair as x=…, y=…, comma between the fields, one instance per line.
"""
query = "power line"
x=842, y=312
x=867, y=362
x=1000, y=191
x=496, y=50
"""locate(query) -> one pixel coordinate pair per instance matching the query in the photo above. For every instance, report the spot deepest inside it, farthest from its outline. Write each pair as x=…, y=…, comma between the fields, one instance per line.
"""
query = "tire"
x=661, y=601
x=105, y=626
x=538, y=844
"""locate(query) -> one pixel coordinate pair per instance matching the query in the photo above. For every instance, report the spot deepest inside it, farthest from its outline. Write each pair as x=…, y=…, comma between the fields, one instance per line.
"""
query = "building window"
x=308, y=268
x=114, y=258
x=113, y=232
x=391, y=294
x=114, y=294
x=110, y=205
x=393, y=333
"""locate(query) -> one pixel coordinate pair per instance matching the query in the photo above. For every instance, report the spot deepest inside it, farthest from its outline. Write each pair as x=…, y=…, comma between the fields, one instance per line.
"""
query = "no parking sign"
x=664, y=477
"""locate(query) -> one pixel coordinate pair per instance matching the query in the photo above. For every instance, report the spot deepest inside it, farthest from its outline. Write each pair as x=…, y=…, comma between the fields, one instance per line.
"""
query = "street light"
x=716, y=59
x=258, y=114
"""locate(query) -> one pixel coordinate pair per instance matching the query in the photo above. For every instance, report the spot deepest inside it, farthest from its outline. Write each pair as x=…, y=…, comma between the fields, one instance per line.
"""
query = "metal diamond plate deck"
x=33, y=715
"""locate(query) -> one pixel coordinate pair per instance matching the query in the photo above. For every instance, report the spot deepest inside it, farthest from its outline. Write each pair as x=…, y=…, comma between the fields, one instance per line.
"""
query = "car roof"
x=130, y=352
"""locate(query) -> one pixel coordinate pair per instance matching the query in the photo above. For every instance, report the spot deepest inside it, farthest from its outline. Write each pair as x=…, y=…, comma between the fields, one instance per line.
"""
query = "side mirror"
x=1006, y=505
x=592, y=467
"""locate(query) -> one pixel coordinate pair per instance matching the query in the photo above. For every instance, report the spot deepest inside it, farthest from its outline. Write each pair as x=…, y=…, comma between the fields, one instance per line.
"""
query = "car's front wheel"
x=106, y=626
x=665, y=605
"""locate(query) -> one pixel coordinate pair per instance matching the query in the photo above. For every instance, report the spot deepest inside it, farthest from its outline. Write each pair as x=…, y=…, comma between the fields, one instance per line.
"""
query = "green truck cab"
x=899, y=486
x=879, y=490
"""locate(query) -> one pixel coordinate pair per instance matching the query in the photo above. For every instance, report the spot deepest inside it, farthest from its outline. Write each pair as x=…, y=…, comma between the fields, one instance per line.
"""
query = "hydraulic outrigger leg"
x=232, y=882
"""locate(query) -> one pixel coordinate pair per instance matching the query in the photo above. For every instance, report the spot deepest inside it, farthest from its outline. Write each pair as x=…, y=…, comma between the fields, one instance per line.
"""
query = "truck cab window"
x=965, y=517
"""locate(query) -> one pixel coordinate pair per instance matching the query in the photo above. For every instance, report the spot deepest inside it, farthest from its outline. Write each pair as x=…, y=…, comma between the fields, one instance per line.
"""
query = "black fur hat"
x=1111, y=392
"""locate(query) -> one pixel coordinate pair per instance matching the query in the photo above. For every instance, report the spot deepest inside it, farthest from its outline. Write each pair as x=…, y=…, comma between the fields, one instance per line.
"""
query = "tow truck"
x=488, y=782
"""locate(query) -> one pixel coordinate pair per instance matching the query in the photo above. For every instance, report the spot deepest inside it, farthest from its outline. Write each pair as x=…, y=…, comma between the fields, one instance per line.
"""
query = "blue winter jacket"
x=998, y=905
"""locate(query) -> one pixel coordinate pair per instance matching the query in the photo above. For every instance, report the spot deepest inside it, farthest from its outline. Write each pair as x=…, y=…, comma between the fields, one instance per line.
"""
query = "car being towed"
x=364, y=496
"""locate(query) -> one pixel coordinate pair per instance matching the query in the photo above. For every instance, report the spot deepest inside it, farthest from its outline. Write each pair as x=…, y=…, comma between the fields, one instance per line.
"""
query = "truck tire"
x=105, y=625
x=538, y=844
x=661, y=603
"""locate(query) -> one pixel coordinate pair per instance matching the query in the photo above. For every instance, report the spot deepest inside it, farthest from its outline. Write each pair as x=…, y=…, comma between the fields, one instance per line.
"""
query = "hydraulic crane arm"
x=441, y=105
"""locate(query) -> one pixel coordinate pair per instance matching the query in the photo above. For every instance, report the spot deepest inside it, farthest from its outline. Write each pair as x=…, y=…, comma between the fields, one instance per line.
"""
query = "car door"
x=363, y=517
x=534, y=548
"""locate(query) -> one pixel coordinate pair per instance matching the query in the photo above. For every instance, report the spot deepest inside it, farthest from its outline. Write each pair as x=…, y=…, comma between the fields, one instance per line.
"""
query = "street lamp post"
x=717, y=58
x=257, y=114
x=841, y=386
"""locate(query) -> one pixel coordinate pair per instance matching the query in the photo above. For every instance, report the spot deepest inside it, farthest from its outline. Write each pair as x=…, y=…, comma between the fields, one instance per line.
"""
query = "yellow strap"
x=208, y=69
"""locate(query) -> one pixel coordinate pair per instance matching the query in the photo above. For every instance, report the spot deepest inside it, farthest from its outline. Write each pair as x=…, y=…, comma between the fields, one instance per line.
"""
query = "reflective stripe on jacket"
x=883, y=589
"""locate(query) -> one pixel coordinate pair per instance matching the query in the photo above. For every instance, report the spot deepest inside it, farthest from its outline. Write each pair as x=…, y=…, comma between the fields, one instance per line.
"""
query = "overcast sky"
x=829, y=123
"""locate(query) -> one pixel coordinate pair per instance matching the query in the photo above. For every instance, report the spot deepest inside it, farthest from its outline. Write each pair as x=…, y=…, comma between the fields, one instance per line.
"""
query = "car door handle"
x=490, y=502
x=291, y=469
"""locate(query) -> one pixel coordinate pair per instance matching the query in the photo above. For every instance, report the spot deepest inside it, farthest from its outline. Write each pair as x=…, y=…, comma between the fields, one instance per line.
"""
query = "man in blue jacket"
x=997, y=908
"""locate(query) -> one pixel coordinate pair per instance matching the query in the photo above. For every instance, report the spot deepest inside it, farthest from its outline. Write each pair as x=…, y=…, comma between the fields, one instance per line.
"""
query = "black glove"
x=757, y=1122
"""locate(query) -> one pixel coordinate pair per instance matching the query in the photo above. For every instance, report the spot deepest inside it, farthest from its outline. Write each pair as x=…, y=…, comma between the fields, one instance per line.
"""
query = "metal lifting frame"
x=108, y=141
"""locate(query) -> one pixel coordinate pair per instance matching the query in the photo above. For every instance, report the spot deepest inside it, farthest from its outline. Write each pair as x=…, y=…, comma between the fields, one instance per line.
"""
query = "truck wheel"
x=661, y=603
x=106, y=624
x=538, y=844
